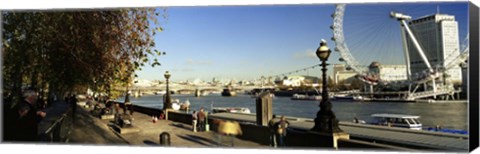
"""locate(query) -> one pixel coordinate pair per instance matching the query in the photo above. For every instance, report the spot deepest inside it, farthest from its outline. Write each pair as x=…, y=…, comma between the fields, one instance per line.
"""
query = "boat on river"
x=343, y=97
x=228, y=92
x=177, y=105
x=410, y=122
x=397, y=120
x=230, y=110
x=306, y=97
x=161, y=92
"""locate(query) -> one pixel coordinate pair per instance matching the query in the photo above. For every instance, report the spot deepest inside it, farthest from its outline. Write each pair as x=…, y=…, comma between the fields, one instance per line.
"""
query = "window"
x=411, y=121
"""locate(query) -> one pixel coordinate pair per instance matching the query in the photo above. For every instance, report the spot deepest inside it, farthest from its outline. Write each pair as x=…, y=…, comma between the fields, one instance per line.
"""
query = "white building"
x=393, y=72
x=299, y=80
x=341, y=74
x=438, y=36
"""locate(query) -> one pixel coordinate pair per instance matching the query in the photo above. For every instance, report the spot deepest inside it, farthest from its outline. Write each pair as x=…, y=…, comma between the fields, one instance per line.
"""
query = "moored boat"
x=343, y=97
x=230, y=110
x=397, y=120
x=176, y=105
x=228, y=92
x=306, y=97
x=161, y=92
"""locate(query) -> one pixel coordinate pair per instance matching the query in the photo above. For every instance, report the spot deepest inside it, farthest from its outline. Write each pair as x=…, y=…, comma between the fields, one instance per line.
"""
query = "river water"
x=447, y=115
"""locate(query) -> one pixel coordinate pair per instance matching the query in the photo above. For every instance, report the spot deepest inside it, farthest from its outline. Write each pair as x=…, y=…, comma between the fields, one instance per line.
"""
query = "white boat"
x=161, y=92
x=397, y=120
x=201, y=93
x=231, y=110
x=176, y=105
x=306, y=97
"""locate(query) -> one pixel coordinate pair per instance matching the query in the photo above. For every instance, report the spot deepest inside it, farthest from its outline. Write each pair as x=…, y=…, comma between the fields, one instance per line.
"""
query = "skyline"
x=247, y=42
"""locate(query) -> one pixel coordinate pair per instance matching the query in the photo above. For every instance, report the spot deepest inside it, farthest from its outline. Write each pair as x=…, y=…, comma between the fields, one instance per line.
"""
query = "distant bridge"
x=188, y=88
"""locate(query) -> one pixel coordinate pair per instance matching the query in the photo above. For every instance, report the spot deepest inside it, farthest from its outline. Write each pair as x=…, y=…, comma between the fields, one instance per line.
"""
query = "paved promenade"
x=94, y=131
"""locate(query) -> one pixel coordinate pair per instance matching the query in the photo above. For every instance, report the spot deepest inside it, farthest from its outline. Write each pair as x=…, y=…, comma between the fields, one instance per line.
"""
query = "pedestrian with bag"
x=271, y=126
x=282, y=126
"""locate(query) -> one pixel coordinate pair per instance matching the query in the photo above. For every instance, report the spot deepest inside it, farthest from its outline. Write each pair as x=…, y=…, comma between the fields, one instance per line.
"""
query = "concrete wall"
x=141, y=109
x=185, y=118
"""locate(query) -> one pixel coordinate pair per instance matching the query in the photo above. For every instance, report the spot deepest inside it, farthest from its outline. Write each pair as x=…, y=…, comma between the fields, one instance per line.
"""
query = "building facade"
x=340, y=73
x=391, y=73
x=298, y=80
x=438, y=36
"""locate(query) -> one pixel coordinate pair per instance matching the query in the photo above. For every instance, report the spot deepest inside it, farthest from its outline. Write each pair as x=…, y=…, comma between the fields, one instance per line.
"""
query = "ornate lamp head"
x=167, y=75
x=323, y=52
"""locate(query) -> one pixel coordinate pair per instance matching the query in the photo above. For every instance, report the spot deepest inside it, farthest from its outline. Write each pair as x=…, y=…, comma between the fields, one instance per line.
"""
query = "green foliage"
x=63, y=51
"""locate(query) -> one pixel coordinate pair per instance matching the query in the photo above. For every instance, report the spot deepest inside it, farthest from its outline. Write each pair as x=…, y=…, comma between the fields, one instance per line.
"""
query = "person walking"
x=194, y=121
x=73, y=103
x=282, y=126
x=201, y=120
x=26, y=127
x=271, y=126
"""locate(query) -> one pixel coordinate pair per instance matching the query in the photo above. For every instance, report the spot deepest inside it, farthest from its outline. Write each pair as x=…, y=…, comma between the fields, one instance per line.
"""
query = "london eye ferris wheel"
x=367, y=35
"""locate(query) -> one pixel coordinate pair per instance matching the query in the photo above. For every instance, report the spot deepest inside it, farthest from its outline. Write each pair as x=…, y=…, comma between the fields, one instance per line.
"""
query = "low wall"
x=256, y=133
x=141, y=109
x=182, y=117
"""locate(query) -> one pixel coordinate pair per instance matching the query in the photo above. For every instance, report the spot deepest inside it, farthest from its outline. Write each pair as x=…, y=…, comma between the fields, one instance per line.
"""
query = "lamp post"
x=167, y=102
x=325, y=122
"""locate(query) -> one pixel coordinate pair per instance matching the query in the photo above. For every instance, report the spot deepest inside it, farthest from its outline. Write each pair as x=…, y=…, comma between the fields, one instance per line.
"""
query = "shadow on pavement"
x=181, y=126
x=199, y=140
x=87, y=129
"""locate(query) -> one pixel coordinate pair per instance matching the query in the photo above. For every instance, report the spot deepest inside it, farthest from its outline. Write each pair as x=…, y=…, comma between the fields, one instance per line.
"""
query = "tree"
x=59, y=52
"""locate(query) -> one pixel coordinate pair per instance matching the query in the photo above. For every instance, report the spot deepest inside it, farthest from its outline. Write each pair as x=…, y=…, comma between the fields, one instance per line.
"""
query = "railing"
x=60, y=130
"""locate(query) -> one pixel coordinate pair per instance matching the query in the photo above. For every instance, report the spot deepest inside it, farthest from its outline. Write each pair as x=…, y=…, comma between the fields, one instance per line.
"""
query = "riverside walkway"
x=92, y=130
x=380, y=134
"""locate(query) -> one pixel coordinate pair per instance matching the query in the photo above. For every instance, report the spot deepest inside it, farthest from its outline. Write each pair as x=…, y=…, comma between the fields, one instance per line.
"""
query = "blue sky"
x=247, y=42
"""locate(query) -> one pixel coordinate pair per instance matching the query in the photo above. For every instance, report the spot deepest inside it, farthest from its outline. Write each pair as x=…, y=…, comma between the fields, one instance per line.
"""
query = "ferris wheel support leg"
x=405, y=50
x=417, y=45
x=409, y=89
x=371, y=88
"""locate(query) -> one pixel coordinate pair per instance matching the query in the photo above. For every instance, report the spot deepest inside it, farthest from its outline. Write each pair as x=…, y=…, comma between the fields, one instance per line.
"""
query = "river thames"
x=447, y=115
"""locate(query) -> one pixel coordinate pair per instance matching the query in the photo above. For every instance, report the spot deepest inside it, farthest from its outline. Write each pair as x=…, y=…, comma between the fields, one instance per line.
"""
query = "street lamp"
x=325, y=121
x=167, y=102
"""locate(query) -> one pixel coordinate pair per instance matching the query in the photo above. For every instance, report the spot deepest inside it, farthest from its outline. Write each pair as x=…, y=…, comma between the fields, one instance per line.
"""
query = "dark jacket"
x=26, y=127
